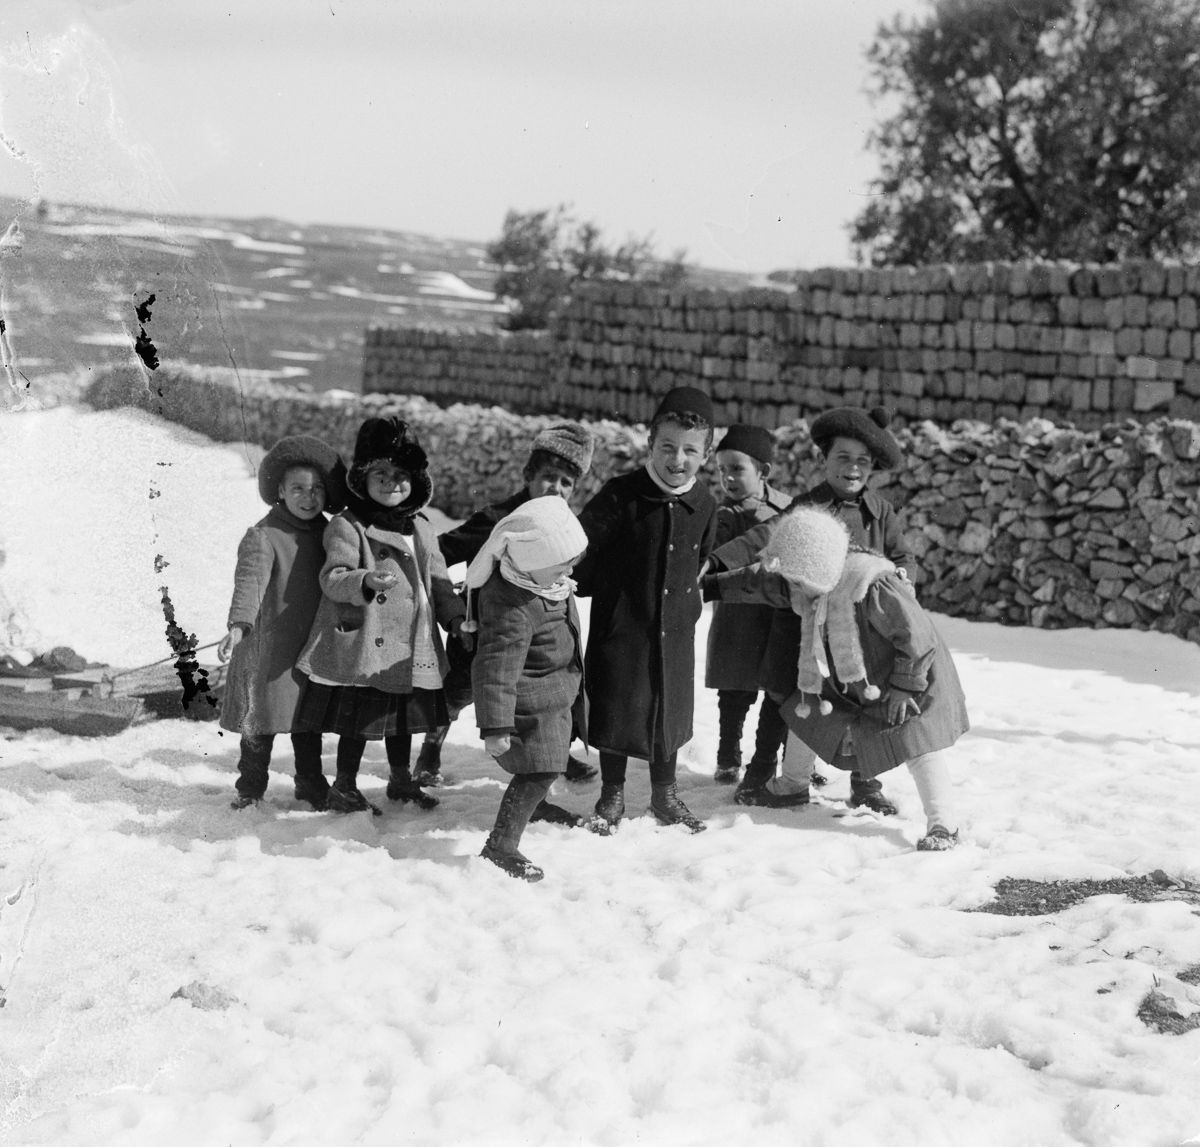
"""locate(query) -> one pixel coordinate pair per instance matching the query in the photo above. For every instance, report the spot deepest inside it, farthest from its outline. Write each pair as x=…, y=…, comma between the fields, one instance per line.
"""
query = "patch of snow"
x=445, y=283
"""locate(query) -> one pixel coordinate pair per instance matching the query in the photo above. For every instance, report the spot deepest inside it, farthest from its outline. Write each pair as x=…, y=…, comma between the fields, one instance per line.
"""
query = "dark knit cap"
x=303, y=450
x=756, y=441
x=870, y=427
x=569, y=441
x=686, y=400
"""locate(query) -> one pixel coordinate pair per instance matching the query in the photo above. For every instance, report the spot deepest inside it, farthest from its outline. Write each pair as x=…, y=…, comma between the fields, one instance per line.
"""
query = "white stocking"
x=931, y=775
x=798, y=764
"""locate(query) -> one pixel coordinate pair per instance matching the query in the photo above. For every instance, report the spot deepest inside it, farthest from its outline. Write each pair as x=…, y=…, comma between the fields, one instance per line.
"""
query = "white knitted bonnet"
x=537, y=534
x=808, y=547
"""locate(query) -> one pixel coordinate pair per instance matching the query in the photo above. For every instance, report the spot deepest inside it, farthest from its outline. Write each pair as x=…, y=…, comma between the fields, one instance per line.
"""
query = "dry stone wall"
x=1085, y=345
x=1019, y=523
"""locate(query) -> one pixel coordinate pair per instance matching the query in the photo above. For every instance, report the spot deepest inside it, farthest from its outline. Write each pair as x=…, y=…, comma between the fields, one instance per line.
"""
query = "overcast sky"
x=732, y=128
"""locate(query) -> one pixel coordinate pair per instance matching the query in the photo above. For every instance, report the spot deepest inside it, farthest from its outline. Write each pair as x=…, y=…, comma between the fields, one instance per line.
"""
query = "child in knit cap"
x=528, y=664
x=738, y=634
x=875, y=684
x=649, y=532
x=560, y=456
x=375, y=659
x=853, y=444
x=276, y=592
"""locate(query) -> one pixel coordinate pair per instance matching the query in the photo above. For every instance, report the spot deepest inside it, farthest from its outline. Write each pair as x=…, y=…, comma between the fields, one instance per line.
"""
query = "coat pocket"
x=349, y=617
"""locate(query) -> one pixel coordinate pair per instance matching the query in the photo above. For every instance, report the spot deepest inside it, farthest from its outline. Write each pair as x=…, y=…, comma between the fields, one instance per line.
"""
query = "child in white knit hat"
x=528, y=664
x=876, y=685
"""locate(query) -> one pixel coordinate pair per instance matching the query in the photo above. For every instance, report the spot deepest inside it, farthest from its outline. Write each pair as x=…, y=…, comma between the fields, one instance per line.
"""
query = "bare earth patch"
x=1044, y=897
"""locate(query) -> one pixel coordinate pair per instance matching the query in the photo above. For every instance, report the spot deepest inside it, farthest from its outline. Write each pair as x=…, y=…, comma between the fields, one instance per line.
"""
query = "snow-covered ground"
x=174, y=972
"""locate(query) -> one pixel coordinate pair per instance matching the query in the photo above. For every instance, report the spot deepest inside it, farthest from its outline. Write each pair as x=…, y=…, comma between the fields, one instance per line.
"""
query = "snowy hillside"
x=173, y=972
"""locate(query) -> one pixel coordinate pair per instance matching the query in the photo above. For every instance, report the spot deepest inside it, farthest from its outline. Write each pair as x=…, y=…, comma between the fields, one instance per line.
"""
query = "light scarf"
x=558, y=590
x=675, y=491
x=829, y=622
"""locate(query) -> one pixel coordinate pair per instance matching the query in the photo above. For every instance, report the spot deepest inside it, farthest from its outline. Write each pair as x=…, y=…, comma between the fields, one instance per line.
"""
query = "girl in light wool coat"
x=375, y=661
x=876, y=685
x=528, y=666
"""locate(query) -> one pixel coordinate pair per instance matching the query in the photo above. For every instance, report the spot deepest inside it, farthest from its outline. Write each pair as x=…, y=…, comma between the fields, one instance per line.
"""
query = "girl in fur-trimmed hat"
x=375, y=660
x=876, y=685
x=275, y=597
x=528, y=665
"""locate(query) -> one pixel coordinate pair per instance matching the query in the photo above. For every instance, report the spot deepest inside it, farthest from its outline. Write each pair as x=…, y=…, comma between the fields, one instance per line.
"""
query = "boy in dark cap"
x=649, y=532
x=738, y=634
x=853, y=443
x=560, y=455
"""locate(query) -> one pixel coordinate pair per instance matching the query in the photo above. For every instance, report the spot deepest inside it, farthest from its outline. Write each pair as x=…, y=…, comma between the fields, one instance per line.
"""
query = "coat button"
x=381, y=598
x=688, y=590
x=671, y=546
x=379, y=641
x=384, y=552
x=665, y=592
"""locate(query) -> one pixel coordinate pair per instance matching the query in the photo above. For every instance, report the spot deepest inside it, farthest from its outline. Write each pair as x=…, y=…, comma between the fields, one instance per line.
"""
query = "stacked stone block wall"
x=1018, y=523
x=1085, y=345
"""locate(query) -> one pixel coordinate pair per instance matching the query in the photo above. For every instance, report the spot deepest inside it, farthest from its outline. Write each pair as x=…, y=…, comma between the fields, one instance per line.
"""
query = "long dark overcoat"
x=645, y=549
x=872, y=521
x=737, y=636
x=526, y=675
x=901, y=647
x=276, y=592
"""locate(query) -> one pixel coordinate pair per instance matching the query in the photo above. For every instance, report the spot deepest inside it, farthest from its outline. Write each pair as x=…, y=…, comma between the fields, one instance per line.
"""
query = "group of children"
x=335, y=626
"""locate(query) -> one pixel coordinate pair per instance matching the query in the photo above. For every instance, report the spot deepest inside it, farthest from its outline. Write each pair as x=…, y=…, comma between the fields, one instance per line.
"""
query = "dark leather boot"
x=610, y=808
x=523, y=794
x=669, y=809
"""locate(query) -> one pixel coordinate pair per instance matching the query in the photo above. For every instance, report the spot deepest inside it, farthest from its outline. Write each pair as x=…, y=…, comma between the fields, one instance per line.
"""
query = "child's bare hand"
x=225, y=647
x=899, y=706
x=497, y=746
x=464, y=636
x=380, y=579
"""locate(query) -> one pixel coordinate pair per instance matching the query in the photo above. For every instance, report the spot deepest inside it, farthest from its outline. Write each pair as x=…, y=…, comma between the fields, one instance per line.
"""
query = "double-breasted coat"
x=737, y=635
x=361, y=637
x=526, y=675
x=645, y=549
x=276, y=593
x=872, y=521
x=901, y=648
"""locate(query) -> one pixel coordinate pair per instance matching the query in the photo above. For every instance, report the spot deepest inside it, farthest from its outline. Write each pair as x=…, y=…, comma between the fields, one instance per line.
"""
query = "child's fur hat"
x=569, y=441
x=303, y=450
x=391, y=440
x=685, y=400
x=808, y=547
x=538, y=534
x=756, y=441
x=870, y=427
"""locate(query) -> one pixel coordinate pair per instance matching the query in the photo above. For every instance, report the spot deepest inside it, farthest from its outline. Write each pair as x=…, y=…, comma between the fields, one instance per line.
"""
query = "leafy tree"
x=543, y=254
x=1054, y=129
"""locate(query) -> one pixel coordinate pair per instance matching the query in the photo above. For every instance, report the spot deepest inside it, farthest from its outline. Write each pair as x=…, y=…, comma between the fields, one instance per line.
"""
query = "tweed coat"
x=872, y=522
x=901, y=648
x=276, y=592
x=526, y=675
x=361, y=637
x=737, y=636
x=645, y=549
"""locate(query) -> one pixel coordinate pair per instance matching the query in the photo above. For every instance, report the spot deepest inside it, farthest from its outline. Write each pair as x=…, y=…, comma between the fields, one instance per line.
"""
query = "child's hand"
x=225, y=648
x=380, y=579
x=497, y=745
x=464, y=637
x=899, y=705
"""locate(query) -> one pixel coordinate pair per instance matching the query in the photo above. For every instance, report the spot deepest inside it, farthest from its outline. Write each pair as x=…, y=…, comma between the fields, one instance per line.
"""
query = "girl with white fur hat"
x=876, y=685
x=528, y=664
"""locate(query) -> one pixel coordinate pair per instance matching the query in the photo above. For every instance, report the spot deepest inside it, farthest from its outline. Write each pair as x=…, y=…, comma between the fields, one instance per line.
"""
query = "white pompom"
x=826, y=708
x=871, y=692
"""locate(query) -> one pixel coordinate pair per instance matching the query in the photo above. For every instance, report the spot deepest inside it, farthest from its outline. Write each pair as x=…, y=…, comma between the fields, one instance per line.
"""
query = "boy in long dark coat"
x=561, y=454
x=853, y=444
x=738, y=633
x=875, y=685
x=649, y=532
